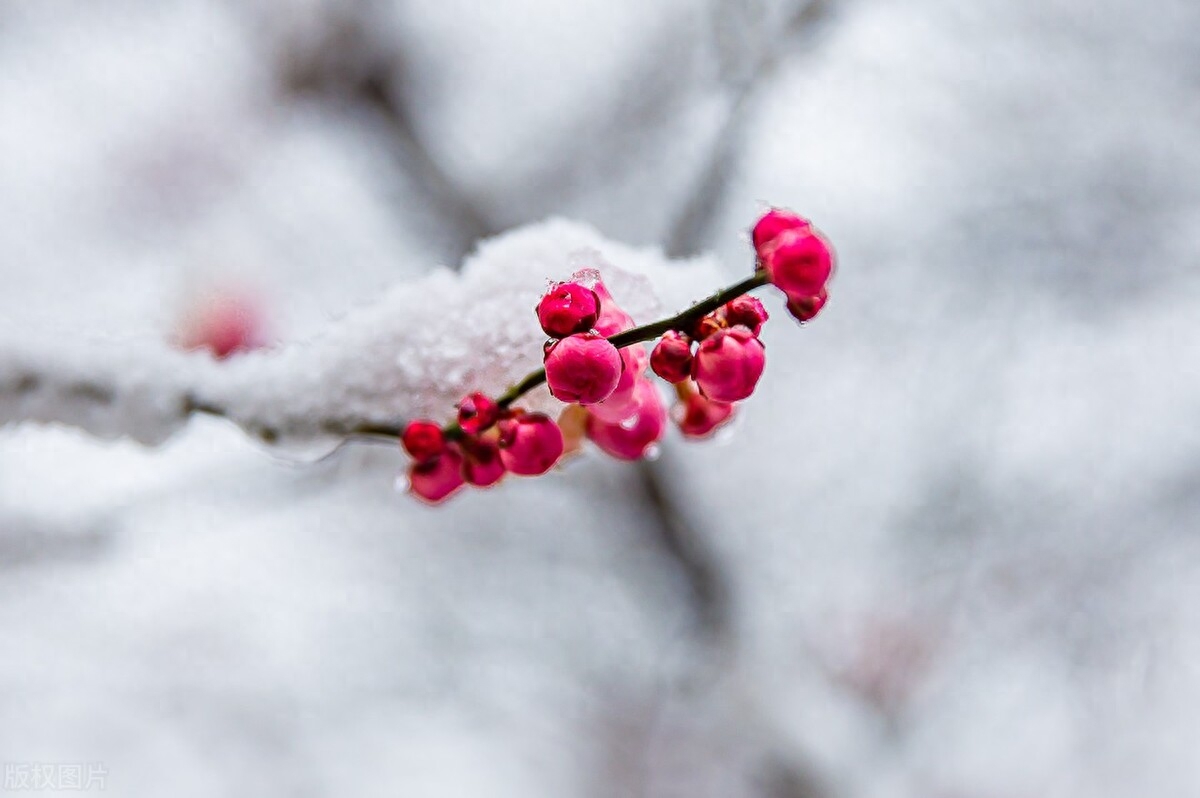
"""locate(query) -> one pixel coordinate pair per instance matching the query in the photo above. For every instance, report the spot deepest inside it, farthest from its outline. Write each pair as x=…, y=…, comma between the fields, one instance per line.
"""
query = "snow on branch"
x=415, y=352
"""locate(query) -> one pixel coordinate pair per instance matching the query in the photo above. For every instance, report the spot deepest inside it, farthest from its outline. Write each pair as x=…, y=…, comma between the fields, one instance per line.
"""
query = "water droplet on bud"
x=587, y=276
x=653, y=452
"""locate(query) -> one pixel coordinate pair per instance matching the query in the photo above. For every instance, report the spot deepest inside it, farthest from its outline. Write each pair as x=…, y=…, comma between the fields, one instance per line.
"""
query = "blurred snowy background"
x=950, y=552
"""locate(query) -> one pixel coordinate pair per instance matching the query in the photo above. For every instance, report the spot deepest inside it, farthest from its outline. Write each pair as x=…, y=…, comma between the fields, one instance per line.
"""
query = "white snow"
x=954, y=527
x=412, y=353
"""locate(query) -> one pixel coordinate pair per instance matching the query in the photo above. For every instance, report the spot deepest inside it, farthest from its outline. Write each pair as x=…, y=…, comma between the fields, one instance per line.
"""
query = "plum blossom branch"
x=410, y=354
x=412, y=351
x=711, y=352
x=683, y=320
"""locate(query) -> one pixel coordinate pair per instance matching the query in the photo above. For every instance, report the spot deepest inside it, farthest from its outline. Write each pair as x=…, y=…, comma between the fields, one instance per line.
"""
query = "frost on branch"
x=415, y=352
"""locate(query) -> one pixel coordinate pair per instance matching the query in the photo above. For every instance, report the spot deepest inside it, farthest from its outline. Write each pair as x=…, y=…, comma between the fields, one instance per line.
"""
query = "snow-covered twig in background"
x=415, y=351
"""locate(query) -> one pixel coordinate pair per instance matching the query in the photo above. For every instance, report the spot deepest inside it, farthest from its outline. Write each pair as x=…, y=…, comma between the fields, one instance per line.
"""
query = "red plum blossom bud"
x=672, y=357
x=568, y=308
x=698, y=416
x=728, y=364
x=482, y=465
x=583, y=368
x=530, y=444
x=774, y=222
x=799, y=262
x=806, y=308
x=437, y=479
x=630, y=439
x=225, y=323
x=423, y=440
x=746, y=311
x=621, y=403
x=477, y=413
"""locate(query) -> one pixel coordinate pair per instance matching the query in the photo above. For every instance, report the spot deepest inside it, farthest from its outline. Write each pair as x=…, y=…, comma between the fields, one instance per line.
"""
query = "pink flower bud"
x=423, y=440
x=774, y=222
x=225, y=323
x=622, y=402
x=631, y=438
x=612, y=319
x=568, y=308
x=728, y=364
x=672, y=357
x=799, y=262
x=530, y=444
x=746, y=311
x=436, y=480
x=698, y=416
x=583, y=368
x=477, y=413
x=806, y=308
x=482, y=465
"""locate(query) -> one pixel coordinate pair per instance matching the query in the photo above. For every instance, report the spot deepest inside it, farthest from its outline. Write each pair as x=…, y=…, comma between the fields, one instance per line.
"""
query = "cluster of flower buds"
x=614, y=404
x=487, y=443
x=713, y=364
x=714, y=361
x=796, y=258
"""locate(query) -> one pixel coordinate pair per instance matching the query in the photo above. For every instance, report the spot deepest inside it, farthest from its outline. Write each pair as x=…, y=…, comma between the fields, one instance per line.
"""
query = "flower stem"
x=684, y=320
